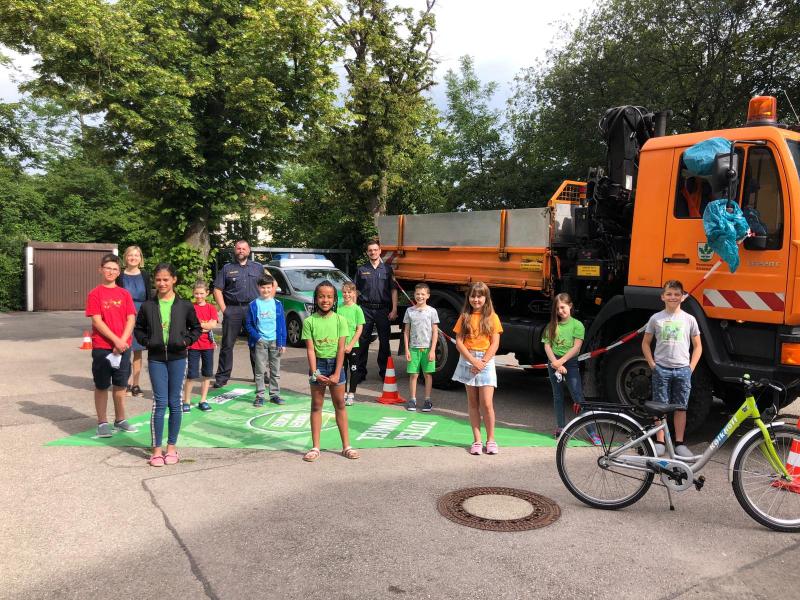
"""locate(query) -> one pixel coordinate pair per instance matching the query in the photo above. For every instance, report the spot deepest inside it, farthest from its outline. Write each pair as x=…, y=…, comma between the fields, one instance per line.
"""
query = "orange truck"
x=612, y=241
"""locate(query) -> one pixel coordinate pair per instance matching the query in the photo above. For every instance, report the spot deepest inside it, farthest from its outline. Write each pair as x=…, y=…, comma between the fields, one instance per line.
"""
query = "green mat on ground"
x=235, y=423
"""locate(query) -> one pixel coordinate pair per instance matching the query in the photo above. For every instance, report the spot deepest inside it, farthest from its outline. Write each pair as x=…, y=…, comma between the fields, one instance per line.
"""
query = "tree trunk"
x=378, y=202
x=197, y=237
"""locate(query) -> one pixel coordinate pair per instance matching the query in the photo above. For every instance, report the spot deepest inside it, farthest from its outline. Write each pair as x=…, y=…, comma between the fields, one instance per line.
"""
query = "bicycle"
x=620, y=470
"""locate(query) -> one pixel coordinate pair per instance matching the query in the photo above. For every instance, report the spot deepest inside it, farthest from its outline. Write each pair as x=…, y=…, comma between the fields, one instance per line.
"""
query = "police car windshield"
x=305, y=280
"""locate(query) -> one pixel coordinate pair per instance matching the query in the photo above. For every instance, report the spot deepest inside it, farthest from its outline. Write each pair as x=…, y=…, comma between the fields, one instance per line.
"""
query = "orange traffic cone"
x=390, y=395
x=793, y=466
x=87, y=341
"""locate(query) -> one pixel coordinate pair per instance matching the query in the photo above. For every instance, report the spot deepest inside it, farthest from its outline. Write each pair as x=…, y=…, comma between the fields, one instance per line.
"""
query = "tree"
x=703, y=59
x=476, y=145
x=387, y=67
x=202, y=98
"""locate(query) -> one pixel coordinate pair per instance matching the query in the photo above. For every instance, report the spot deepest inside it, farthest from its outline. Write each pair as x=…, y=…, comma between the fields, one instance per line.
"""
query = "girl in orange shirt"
x=477, y=338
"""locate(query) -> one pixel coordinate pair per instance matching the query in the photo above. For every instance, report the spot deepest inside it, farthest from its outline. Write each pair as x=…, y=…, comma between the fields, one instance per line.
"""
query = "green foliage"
x=202, y=98
x=475, y=147
x=11, y=272
x=190, y=266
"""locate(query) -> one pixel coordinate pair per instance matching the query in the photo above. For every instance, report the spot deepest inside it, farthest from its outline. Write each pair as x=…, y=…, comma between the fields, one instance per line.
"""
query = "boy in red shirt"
x=202, y=351
x=113, y=315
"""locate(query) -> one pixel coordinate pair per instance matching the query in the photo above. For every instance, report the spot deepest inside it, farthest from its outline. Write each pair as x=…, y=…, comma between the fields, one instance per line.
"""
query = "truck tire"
x=626, y=380
x=446, y=353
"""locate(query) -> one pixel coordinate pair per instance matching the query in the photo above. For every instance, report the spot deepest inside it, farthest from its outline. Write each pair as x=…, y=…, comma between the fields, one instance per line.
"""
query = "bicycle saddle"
x=659, y=408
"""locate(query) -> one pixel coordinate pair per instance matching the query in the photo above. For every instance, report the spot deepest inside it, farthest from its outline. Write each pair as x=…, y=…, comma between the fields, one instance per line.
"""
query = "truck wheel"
x=294, y=331
x=626, y=375
x=446, y=353
x=627, y=381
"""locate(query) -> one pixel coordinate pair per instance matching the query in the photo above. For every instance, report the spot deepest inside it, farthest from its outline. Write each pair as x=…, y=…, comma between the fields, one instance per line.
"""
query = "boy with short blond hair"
x=674, y=331
x=113, y=316
x=354, y=316
x=420, y=333
x=266, y=326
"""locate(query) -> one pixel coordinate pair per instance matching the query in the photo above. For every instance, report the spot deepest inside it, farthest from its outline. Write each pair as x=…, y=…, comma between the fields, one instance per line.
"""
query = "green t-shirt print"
x=566, y=334
x=165, y=306
x=354, y=317
x=325, y=333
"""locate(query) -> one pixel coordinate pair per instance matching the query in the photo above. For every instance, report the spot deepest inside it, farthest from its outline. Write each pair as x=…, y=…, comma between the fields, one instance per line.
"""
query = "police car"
x=296, y=279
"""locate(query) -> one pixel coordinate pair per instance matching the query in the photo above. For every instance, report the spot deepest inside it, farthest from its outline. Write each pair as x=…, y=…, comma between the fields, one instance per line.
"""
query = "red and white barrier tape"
x=581, y=357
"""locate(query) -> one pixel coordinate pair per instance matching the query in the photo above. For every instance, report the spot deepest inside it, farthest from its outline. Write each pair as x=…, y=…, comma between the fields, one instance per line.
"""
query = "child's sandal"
x=311, y=455
x=350, y=453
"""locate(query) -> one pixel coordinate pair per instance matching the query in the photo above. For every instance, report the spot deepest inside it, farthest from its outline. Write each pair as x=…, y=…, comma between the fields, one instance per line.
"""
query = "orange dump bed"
x=503, y=248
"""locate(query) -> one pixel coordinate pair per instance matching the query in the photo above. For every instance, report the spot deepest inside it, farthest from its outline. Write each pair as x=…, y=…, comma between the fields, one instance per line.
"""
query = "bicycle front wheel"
x=758, y=486
x=583, y=463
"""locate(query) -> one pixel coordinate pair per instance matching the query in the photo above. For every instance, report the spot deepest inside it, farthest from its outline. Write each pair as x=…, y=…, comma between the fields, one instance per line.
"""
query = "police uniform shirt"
x=375, y=284
x=239, y=284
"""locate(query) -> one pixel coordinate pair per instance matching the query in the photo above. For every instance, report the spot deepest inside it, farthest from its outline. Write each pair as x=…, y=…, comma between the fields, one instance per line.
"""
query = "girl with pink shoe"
x=478, y=332
x=166, y=325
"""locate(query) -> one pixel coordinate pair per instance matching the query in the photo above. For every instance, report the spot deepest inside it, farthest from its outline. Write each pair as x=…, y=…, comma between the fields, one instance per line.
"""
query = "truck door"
x=757, y=291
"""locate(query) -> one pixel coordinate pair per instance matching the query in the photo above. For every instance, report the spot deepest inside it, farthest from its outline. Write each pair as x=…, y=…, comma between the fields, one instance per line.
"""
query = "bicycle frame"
x=748, y=410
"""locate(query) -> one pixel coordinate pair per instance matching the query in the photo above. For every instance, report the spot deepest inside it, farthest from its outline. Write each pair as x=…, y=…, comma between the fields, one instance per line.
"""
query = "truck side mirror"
x=724, y=175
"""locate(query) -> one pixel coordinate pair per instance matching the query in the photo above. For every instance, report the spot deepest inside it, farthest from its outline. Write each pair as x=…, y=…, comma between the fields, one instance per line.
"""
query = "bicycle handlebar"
x=762, y=383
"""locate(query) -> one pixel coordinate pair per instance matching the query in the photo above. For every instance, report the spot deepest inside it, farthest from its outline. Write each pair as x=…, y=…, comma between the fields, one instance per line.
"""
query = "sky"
x=502, y=36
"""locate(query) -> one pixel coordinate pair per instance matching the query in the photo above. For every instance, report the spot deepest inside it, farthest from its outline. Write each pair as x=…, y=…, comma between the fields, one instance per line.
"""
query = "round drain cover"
x=498, y=509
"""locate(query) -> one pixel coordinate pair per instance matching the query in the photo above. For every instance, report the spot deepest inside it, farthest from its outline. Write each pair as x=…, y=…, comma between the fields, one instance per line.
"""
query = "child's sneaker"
x=186, y=407
x=661, y=449
x=204, y=406
x=104, y=430
x=124, y=426
x=427, y=406
x=277, y=400
x=411, y=404
x=348, y=399
x=259, y=402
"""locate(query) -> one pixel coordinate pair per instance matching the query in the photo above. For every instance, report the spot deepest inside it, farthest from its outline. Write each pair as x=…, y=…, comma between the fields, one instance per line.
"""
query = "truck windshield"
x=794, y=148
x=305, y=280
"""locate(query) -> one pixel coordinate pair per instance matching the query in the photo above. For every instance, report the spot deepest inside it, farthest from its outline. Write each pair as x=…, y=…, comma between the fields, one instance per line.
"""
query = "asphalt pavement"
x=81, y=522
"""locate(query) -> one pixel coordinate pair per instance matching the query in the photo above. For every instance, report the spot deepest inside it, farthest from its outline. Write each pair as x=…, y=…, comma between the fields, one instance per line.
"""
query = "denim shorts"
x=672, y=386
x=326, y=366
x=196, y=357
x=464, y=374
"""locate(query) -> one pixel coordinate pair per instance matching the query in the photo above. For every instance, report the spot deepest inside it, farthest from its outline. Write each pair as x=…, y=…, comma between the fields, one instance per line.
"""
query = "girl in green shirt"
x=325, y=332
x=562, y=340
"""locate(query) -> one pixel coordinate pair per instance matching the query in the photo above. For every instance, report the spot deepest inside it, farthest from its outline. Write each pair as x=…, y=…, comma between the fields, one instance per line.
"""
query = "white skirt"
x=463, y=373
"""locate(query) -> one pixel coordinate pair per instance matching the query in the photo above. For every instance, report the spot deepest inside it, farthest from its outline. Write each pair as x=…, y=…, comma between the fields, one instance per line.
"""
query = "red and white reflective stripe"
x=594, y=353
x=771, y=301
x=793, y=462
x=388, y=257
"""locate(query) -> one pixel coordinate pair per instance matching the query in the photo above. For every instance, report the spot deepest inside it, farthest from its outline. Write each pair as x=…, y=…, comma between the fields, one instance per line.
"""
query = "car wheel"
x=294, y=331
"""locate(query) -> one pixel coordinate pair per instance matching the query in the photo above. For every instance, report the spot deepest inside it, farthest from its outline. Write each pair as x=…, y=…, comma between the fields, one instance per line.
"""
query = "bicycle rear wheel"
x=581, y=463
x=759, y=488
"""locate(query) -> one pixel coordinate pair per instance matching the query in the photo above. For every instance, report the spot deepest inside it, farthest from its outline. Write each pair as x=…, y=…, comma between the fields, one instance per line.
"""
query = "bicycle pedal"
x=699, y=482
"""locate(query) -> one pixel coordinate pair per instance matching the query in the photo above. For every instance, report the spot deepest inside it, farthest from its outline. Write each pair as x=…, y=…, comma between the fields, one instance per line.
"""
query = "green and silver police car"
x=296, y=279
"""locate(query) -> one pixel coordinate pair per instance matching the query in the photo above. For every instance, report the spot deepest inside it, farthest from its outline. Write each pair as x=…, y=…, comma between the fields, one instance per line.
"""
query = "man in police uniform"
x=377, y=296
x=235, y=287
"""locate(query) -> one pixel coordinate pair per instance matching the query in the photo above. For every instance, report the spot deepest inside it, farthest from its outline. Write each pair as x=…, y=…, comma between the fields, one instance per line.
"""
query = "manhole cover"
x=498, y=509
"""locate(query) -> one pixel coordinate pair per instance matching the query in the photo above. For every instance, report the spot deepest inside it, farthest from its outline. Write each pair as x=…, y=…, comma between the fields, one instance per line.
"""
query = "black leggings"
x=350, y=367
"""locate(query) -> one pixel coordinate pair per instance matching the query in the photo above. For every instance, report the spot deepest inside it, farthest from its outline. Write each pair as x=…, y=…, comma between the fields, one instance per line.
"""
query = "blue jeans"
x=672, y=386
x=573, y=381
x=167, y=381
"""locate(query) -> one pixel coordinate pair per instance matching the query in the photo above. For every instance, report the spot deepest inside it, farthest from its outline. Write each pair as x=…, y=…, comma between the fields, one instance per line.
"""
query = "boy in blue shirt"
x=266, y=327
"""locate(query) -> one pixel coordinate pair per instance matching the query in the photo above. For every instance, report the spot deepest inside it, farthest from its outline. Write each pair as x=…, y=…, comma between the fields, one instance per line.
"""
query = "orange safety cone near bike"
x=793, y=467
x=390, y=395
x=87, y=341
